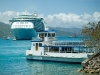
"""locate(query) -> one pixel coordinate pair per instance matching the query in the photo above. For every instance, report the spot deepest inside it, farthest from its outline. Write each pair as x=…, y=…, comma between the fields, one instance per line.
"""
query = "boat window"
x=53, y=35
x=45, y=34
x=42, y=34
x=63, y=49
x=69, y=43
x=81, y=43
x=50, y=49
x=40, y=44
x=49, y=35
x=56, y=49
x=76, y=43
x=46, y=49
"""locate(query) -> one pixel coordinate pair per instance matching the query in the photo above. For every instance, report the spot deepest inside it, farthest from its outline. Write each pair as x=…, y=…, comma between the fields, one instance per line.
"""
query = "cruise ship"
x=25, y=27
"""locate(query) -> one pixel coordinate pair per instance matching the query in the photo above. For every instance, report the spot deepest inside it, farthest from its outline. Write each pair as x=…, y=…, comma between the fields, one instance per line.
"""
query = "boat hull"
x=56, y=59
x=24, y=33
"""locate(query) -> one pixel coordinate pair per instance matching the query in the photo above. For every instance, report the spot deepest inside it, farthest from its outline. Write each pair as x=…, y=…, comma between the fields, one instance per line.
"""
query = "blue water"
x=13, y=61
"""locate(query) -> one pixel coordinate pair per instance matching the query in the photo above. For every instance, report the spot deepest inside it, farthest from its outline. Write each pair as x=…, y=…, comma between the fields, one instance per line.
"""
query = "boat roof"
x=47, y=31
x=36, y=40
x=66, y=46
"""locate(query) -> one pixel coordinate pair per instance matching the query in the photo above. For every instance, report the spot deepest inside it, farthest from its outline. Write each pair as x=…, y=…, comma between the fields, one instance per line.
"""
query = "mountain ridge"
x=5, y=30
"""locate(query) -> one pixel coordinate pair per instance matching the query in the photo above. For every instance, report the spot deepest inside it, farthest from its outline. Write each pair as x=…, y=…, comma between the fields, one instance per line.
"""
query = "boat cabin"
x=47, y=46
x=42, y=48
x=47, y=35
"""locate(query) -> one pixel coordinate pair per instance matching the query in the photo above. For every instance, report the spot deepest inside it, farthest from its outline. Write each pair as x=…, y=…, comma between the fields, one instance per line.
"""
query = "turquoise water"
x=13, y=61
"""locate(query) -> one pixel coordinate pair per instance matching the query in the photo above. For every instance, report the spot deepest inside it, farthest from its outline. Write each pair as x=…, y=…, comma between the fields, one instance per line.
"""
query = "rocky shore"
x=91, y=65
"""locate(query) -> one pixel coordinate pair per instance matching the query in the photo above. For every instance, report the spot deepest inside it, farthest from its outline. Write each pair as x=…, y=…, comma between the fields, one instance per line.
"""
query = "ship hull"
x=24, y=33
x=56, y=59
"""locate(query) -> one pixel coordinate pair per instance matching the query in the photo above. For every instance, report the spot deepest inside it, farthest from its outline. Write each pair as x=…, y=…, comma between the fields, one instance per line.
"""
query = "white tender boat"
x=48, y=49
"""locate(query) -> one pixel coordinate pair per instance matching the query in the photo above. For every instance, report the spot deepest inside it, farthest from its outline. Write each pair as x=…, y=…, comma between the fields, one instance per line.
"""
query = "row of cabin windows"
x=62, y=50
x=47, y=35
x=40, y=44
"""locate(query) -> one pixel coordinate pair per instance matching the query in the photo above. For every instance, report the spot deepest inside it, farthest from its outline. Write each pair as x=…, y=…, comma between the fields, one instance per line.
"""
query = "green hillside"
x=5, y=30
x=67, y=31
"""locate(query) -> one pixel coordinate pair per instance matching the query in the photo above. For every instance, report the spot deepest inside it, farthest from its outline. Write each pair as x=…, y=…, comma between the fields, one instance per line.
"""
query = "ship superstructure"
x=24, y=27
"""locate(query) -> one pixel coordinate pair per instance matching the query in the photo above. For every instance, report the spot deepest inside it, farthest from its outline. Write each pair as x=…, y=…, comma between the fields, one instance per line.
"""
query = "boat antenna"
x=26, y=12
x=35, y=14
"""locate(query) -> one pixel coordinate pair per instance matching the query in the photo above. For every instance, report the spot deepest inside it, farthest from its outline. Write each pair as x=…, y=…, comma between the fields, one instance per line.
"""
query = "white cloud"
x=71, y=20
x=96, y=16
x=6, y=16
x=57, y=20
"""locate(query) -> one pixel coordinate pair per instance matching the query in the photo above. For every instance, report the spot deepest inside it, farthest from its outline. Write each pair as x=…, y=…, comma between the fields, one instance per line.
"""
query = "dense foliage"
x=91, y=35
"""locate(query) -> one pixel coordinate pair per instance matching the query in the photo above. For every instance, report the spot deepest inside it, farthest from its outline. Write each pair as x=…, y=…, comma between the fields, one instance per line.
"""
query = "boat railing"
x=48, y=43
x=68, y=52
x=64, y=43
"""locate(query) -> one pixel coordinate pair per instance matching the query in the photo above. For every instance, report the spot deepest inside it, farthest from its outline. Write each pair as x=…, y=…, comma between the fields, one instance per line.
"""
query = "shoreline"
x=91, y=65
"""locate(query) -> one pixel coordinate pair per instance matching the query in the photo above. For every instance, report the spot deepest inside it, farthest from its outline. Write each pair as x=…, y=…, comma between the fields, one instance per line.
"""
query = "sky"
x=56, y=13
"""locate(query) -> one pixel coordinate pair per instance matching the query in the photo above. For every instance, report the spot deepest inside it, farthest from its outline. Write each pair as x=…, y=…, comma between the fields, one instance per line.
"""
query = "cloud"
x=96, y=16
x=6, y=16
x=57, y=20
x=71, y=20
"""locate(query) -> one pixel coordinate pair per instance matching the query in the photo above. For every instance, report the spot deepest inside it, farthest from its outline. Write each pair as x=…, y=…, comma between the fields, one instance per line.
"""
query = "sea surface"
x=13, y=61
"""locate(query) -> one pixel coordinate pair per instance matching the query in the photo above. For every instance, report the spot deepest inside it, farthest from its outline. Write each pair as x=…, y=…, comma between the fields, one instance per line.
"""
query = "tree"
x=91, y=35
